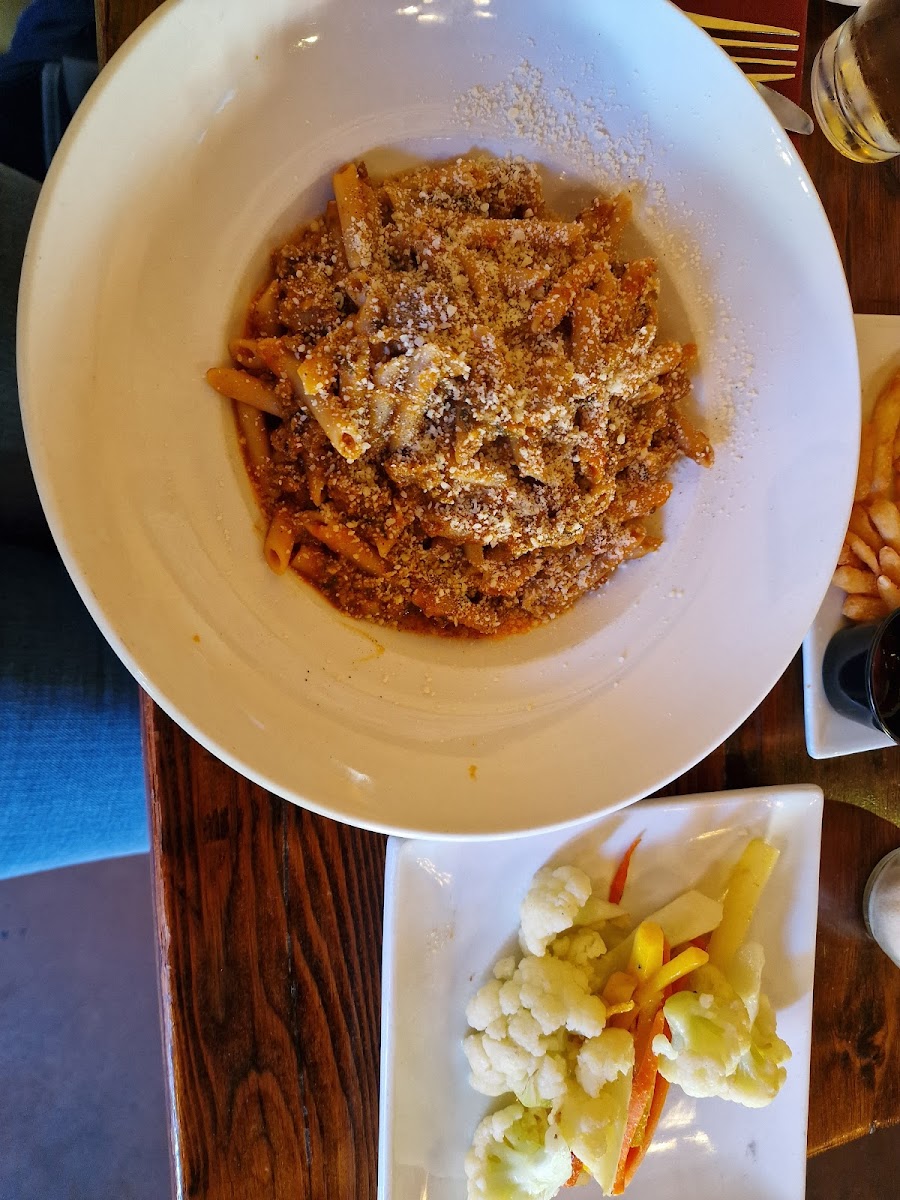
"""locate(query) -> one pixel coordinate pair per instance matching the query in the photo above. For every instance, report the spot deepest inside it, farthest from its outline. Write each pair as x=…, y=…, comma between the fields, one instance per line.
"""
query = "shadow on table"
x=862, y=1170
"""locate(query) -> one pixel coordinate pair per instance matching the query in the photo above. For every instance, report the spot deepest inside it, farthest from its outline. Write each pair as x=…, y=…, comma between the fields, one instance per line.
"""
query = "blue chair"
x=71, y=777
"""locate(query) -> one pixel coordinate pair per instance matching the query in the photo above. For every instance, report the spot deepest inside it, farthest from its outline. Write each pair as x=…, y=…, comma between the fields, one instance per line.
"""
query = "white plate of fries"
x=866, y=583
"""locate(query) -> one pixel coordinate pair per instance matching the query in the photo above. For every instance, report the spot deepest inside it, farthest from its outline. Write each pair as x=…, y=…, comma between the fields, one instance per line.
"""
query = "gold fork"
x=730, y=45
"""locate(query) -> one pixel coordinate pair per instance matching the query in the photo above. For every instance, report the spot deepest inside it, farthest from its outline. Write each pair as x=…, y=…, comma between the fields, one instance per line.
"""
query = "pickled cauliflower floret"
x=523, y=1025
x=484, y=1007
x=583, y=948
x=603, y=1059
x=517, y=1155
x=551, y=905
x=722, y=1035
x=505, y=968
x=557, y=993
x=578, y=946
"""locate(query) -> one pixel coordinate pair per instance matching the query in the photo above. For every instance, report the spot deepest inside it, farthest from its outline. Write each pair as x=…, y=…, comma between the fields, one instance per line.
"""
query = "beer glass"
x=856, y=83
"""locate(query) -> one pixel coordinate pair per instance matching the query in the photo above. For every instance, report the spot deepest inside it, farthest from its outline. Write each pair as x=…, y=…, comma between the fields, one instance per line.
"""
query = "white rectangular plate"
x=828, y=734
x=451, y=909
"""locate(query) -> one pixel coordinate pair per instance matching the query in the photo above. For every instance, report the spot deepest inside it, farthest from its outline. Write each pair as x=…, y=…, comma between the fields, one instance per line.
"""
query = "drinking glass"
x=856, y=83
x=881, y=905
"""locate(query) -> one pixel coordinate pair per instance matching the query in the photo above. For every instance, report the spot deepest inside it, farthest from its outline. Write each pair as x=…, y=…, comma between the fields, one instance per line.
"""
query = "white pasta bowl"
x=208, y=137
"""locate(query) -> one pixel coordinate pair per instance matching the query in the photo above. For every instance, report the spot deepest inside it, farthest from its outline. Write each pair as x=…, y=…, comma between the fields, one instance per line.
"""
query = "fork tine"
x=739, y=45
x=739, y=26
x=765, y=62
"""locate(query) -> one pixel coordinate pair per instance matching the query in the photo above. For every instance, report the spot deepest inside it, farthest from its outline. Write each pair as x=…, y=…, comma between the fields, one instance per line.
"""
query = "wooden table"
x=269, y=918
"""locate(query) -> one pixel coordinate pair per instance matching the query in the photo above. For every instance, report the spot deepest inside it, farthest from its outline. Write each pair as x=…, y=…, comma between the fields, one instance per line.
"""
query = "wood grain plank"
x=855, y=1065
x=117, y=20
x=336, y=934
x=270, y=942
x=226, y=978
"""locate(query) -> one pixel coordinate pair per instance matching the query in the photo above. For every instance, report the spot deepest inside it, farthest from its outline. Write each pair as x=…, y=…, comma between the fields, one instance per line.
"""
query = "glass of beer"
x=856, y=83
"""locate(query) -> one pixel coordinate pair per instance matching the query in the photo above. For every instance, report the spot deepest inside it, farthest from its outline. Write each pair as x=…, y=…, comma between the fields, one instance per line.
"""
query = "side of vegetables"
x=587, y=1030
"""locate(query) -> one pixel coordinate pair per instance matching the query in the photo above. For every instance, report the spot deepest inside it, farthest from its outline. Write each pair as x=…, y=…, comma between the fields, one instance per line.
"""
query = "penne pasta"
x=253, y=435
x=243, y=354
x=605, y=220
x=265, y=310
x=355, y=209
x=692, y=442
x=279, y=543
x=587, y=336
x=542, y=235
x=246, y=389
x=311, y=563
x=456, y=410
x=548, y=313
x=346, y=543
x=313, y=381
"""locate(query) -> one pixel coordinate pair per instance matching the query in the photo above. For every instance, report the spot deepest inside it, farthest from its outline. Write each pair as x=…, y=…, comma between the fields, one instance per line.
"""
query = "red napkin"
x=790, y=14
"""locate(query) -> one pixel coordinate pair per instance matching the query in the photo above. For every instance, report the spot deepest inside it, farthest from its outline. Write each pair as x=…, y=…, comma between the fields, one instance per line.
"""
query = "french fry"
x=885, y=517
x=889, y=592
x=889, y=563
x=864, y=608
x=885, y=421
x=866, y=451
x=862, y=551
x=861, y=525
x=868, y=567
x=855, y=581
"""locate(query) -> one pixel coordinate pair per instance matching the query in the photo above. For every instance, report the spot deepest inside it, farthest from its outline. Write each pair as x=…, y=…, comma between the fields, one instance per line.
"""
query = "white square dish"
x=451, y=909
x=828, y=734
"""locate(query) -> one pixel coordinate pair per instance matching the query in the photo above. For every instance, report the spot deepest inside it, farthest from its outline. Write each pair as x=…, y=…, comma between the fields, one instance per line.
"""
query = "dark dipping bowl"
x=861, y=674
